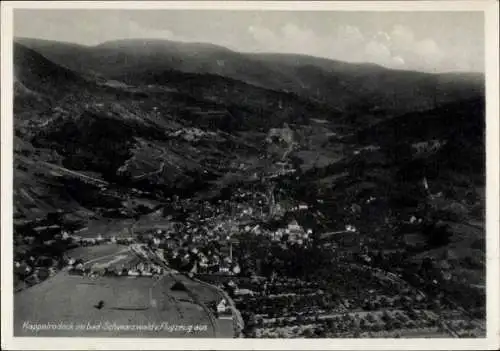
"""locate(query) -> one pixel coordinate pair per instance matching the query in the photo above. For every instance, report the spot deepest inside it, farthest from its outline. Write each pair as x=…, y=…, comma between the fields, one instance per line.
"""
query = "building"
x=22, y=268
x=224, y=268
x=350, y=228
x=236, y=269
x=244, y=292
x=222, y=306
x=294, y=226
x=295, y=232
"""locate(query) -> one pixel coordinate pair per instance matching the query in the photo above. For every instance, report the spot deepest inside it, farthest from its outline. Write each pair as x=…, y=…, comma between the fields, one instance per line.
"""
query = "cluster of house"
x=300, y=207
x=242, y=205
x=369, y=148
x=428, y=146
x=141, y=269
x=284, y=168
x=245, y=205
x=204, y=239
x=215, y=264
x=60, y=234
x=284, y=134
x=293, y=233
x=147, y=269
x=99, y=239
x=191, y=134
x=33, y=270
x=207, y=247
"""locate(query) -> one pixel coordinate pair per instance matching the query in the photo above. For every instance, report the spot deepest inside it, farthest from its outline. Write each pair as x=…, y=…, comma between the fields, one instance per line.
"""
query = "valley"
x=242, y=201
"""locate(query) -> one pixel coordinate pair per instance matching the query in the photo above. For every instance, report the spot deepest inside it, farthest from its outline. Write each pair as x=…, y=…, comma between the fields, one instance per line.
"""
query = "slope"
x=362, y=91
x=163, y=133
x=414, y=186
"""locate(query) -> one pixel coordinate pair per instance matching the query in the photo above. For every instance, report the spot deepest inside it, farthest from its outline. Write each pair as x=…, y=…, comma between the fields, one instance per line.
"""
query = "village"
x=250, y=243
x=211, y=245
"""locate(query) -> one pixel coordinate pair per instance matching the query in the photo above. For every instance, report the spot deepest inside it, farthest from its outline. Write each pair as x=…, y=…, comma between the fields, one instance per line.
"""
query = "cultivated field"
x=91, y=253
x=126, y=301
x=107, y=227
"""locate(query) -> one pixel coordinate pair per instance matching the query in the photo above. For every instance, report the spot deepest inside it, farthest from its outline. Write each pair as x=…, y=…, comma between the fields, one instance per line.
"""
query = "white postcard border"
x=490, y=9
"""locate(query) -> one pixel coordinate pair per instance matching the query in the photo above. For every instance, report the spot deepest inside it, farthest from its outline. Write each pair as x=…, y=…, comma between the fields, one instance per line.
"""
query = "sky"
x=422, y=41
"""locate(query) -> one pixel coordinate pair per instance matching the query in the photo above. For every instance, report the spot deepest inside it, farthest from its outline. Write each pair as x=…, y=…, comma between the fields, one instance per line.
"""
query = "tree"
x=308, y=333
x=385, y=316
x=320, y=332
x=330, y=324
x=437, y=234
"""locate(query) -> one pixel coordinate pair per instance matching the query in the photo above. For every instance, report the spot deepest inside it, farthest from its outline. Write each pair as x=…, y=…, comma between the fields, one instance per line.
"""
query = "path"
x=238, y=323
x=74, y=173
x=158, y=171
x=213, y=322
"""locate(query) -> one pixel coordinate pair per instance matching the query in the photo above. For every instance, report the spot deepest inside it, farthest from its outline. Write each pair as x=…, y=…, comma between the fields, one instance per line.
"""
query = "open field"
x=204, y=292
x=95, y=252
x=105, y=256
x=107, y=227
x=126, y=301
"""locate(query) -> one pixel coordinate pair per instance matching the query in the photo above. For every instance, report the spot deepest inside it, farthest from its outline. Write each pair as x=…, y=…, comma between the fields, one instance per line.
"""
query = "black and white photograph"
x=214, y=172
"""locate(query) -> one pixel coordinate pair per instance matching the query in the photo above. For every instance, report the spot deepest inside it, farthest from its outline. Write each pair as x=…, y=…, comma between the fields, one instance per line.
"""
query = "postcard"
x=250, y=175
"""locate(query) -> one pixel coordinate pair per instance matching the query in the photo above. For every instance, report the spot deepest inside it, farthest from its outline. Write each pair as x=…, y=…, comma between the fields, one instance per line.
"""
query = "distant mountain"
x=174, y=132
x=354, y=89
x=38, y=73
x=207, y=99
x=463, y=119
x=141, y=123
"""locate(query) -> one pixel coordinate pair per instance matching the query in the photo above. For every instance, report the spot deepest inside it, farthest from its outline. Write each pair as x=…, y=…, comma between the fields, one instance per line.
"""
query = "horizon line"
x=363, y=63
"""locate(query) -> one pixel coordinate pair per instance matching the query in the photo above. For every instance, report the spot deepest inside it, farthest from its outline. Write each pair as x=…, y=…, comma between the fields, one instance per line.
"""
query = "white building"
x=294, y=226
x=350, y=228
x=223, y=269
x=236, y=269
x=244, y=292
x=222, y=306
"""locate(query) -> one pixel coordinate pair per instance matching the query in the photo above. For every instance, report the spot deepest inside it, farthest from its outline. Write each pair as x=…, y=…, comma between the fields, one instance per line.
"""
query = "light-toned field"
x=120, y=227
x=71, y=299
x=105, y=256
x=107, y=227
x=94, y=252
